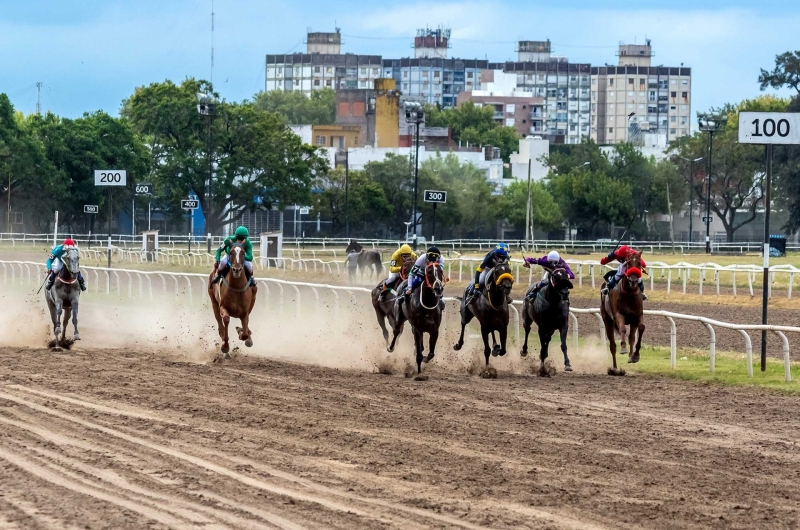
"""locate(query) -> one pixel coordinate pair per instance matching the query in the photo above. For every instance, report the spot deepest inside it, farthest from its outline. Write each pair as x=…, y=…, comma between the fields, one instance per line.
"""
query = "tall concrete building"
x=563, y=86
x=322, y=66
x=637, y=101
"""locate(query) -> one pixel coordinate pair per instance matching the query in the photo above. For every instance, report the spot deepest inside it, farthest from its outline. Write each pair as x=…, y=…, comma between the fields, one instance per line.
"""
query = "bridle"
x=66, y=267
x=438, y=283
x=237, y=269
x=496, y=281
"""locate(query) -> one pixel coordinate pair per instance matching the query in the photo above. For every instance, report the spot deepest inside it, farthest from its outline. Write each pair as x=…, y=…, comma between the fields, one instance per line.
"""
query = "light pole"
x=710, y=122
x=207, y=106
x=408, y=224
x=346, y=190
x=691, y=190
x=416, y=115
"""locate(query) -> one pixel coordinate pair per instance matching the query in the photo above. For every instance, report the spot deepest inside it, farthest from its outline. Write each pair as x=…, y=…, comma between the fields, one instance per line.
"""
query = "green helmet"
x=242, y=232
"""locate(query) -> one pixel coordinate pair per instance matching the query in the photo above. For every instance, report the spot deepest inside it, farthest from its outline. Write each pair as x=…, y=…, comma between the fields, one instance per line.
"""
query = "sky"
x=91, y=54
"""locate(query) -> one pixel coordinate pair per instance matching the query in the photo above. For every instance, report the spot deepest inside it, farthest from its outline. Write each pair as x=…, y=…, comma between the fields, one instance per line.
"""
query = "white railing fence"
x=147, y=285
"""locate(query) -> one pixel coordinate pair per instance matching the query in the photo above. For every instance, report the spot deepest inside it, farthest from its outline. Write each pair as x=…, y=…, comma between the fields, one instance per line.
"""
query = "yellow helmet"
x=405, y=249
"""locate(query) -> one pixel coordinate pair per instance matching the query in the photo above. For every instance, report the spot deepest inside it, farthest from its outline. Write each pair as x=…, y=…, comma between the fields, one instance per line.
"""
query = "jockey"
x=620, y=255
x=400, y=257
x=499, y=254
x=241, y=236
x=417, y=274
x=54, y=264
x=549, y=263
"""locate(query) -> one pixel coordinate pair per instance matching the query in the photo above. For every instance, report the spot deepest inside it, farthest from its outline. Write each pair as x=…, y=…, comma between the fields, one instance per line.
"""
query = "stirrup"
x=217, y=279
x=82, y=284
x=604, y=290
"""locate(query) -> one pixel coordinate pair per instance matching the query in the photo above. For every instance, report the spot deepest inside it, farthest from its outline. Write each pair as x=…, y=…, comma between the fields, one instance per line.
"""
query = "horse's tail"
x=459, y=298
x=379, y=264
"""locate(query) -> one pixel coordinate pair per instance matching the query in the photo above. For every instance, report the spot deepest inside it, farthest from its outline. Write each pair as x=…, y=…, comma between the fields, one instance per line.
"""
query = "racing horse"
x=491, y=310
x=423, y=310
x=384, y=307
x=369, y=261
x=233, y=297
x=622, y=307
x=64, y=296
x=550, y=310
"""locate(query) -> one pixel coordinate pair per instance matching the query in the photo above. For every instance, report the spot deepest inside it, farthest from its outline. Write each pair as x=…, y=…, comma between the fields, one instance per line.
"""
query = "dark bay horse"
x=384, y=307
x=232, y=297
x=369, y=261
x=423, y=310
x=491, y=310
x=550, y=310
x=621, y=308
x=64, y=296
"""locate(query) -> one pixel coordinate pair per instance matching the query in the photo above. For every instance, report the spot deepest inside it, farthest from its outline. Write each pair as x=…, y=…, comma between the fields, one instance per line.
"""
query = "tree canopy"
x=295, y=108
x=473, y=124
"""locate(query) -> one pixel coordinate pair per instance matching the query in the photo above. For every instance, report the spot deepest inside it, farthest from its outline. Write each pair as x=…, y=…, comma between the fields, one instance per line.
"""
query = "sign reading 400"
x=110, y=177
x=778, y=128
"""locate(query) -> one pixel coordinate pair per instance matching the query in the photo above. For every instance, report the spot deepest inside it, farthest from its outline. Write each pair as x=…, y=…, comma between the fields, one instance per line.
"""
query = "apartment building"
x=563, y=86
x=322, y=66
x=637, y=101
x=513, y=107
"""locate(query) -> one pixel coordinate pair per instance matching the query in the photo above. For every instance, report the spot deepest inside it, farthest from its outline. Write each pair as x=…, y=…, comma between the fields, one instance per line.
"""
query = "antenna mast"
x=212, y=43
x=39, y=98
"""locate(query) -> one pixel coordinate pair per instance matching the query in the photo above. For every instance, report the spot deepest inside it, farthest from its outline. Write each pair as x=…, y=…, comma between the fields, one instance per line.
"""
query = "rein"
x=436, y=283
x=234, y=289
x=488, y=295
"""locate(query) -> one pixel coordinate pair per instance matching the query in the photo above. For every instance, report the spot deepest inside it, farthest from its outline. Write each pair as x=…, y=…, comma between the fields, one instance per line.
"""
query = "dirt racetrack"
x=126, y=439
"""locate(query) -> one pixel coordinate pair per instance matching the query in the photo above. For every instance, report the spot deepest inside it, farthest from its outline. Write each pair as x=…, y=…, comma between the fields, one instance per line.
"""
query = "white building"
x=533, y=150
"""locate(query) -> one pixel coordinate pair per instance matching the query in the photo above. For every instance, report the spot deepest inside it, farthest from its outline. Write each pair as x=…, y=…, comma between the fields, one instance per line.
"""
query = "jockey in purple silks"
x=549, y=263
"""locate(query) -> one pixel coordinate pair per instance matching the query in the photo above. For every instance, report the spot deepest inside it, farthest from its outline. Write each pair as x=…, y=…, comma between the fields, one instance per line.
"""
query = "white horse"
x=64, y=295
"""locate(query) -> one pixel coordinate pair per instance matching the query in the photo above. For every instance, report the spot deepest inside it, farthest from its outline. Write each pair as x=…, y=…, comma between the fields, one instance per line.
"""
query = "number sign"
x=190, y=204
x=110, y=177
x=707, y=219
x=91, y=208
x=779, y=128
x=304, y=210
x=143, y=189
x=435, y=196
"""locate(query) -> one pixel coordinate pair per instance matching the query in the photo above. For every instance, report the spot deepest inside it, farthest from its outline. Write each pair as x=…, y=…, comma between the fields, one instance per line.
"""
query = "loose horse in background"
x=622, y=307
x=233, y=297
x=369, y=261
x=550, y=310
x=491, y=310
x=423, y=310
x=385, y=307
x=64, y=296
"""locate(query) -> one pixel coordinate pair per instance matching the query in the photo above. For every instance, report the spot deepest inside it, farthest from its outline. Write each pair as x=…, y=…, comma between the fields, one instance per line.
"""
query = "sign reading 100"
x=769, y=128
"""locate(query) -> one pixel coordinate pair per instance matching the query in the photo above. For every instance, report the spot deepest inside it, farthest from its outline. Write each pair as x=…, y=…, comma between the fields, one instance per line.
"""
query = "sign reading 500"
x=110, y=177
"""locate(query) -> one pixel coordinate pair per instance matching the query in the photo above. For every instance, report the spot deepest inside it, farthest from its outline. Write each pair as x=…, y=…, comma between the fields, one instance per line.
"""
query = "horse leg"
x=466, y=317
x=485, y=336
x=59, y=310
x=433, y=336
x=563, y=332
x=223, y=330
x=610, y=332
x=640, y=328
x=631, y=340
x=245, y=335
x=76, y=335
x=526, y=325
x=397, y=327
x=623, y=345
x=503, y=332
x=382, y=324
x=544, y=342
x=51, y=306
x=418, y=348
x=67, y=314
x=495, y=347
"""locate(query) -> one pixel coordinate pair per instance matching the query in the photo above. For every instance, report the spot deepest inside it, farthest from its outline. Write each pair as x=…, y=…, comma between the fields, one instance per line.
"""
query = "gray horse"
x=64, y=296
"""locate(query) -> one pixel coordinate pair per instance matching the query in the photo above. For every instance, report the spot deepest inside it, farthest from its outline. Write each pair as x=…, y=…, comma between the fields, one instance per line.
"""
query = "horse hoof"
x=567, y=368
x=389, y=349
x=502, y=353
x=616, y=371
x=421, y=377
x=457, y=347
x=634, y=359
x=76, y=337
x=225, y=349
x=489, y=373
x=495, y=351
x=248, y=343
x=428, y=358
x=523, y=353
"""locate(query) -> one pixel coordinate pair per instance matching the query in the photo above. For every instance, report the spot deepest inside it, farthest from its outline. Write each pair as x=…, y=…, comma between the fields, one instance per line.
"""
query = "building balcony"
x=498, y=115
x=536, y=115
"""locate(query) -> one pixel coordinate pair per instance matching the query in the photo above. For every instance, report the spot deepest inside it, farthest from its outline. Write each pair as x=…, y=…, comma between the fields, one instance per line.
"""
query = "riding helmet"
x=68, y=243
x=242, y=232
x=501, y=249
x=553, y=256
x=433, y=253
x=405, y=249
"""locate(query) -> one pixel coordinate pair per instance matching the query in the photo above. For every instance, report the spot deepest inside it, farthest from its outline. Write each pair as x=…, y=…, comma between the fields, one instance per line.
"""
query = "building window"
x=594, y=81
x=316, y=82
x=328, y=70
x=630, y=94
x=630, y=81
x=436, y=73
x=630, y=105
x=672, y=119
x=320, y=140
x=611, y=130
x=672, y=81
x=328, y=82
x=363, y=72
x=673, y=94
x=611, y=106
x=641, y=106
x=296, y=82
x=511, y=108
x=684, y=95
x=683, y=120
x=524, y=107
x=672, y=131
x=316, y=69
x=683, y=107
x=375, y=72
x=405, y=73
x=611, y=94
x=685, y=82
x=425, y=74
x=524, y=121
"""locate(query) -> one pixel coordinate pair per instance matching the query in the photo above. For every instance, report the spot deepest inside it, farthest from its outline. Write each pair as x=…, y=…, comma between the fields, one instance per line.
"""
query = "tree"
x=298, y=109
x=364, y=205
x=785, y=74
x=257, y=161
x=395, y=176
x=474, y=125
x=546, y=211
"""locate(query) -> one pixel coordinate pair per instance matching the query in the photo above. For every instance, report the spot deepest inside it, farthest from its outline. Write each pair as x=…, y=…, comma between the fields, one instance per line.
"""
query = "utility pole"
x=528, y=227
x=346, y=192
x=39, y=98
x=416, y=114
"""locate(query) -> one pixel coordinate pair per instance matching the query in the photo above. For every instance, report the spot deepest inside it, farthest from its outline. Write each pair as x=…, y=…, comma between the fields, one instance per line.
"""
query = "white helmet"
x=553, y=257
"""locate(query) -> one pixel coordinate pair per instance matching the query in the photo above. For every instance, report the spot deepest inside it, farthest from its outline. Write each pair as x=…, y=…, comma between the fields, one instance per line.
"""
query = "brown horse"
x=621, y=308
x=384, y=307
x=491, y=310
x=423, y=310
x=369, y=261
x=232, y=297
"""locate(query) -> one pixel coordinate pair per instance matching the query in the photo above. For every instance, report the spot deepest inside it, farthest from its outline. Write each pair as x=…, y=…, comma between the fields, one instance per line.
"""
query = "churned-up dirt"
x=123, y=438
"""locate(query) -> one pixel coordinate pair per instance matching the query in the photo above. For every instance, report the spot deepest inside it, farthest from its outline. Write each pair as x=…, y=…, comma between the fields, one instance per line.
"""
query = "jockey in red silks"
x=54, y=264
x=620, y=255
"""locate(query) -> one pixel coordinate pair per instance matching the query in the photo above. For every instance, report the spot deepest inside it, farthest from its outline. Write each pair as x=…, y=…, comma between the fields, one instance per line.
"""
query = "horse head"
x=502, y=278
x=353, y=246
x=406, y=268
x=71, y=261
x=559, y=280
x=236, y=259
x=434, y=278
x=633, y=272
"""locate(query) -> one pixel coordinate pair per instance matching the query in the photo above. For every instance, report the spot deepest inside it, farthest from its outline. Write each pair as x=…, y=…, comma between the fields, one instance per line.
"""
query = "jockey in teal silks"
x=54, y=264
x=240, y=236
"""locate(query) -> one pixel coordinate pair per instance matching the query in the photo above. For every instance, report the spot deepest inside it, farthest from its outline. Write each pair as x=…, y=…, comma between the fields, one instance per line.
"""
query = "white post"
x=149, y=203
x=55, y=230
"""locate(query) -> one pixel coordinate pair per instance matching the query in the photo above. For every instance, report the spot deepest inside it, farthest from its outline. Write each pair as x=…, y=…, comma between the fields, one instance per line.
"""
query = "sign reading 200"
x=110, y=177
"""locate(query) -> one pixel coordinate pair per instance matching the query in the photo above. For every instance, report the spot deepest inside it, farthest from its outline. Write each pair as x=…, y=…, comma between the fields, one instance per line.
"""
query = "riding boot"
x=384, y=290
x=610, y=285
x=533, y=292
x=81, y=282
x=220, y=274
x=51, y=278
x=641, y=288
x=250, y=281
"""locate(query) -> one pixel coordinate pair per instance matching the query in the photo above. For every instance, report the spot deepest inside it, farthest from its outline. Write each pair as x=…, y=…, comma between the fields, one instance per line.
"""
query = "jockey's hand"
x=216, y=265
x=526, y=265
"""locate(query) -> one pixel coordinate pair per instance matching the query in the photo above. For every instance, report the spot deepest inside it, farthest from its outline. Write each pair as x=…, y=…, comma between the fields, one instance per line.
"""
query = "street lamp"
x=207, y=106
x=710, y=122
x=407, y=223
x=346, y=190
x=691, y=190
x=415, y=114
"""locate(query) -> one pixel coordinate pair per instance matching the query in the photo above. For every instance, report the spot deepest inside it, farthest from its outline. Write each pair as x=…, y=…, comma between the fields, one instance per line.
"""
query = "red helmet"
x=69, y=243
